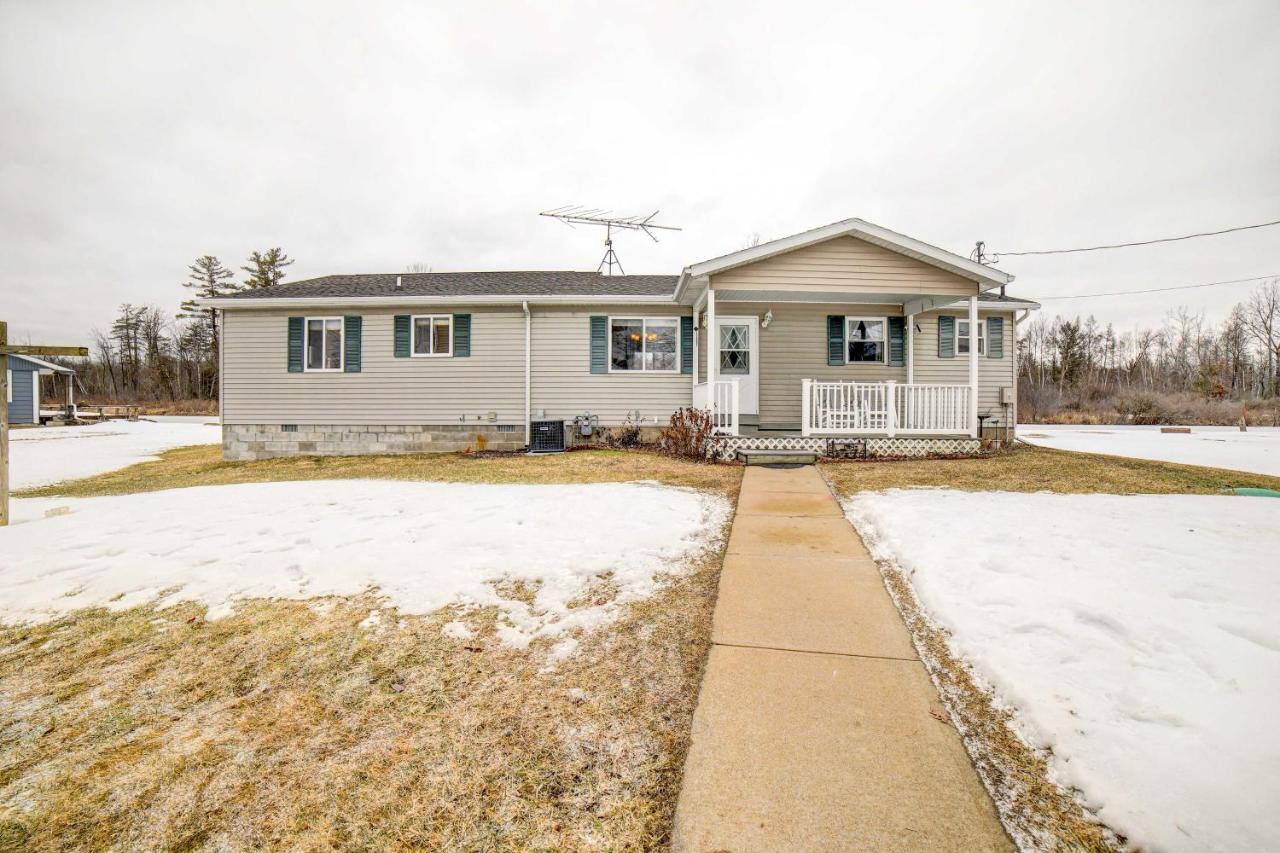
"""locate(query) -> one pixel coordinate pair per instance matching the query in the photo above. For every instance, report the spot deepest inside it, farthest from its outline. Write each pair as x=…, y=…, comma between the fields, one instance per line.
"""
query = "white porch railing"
x=888, y=408
x=719, y=399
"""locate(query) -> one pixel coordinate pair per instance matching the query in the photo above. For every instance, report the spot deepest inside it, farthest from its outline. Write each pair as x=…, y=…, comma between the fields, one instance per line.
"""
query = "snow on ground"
x=423, y=545
x=42, y=455
x=1135, y=635
x=1257, y=450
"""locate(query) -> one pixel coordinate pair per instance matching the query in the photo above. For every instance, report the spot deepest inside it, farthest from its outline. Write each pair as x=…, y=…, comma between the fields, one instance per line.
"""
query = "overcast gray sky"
x=364, y=137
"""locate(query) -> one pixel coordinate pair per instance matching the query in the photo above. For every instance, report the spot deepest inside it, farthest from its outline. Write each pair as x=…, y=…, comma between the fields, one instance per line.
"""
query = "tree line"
x=150, y=355
x=1186, y=369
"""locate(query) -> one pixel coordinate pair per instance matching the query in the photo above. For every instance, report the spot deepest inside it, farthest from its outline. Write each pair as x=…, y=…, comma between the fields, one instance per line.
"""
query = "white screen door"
x=738, y=354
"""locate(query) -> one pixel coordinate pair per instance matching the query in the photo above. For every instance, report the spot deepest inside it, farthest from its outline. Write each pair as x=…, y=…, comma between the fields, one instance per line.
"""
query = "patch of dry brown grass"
x=291, y=726
x=203, y=465
x=1038, y=469
x=1037, y=812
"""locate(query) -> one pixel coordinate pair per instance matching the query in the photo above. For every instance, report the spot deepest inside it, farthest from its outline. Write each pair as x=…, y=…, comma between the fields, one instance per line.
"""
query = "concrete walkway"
x=814, y=728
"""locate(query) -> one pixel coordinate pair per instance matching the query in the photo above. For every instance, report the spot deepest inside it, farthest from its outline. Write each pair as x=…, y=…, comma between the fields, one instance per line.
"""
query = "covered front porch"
x=849, y=408
x=852, y=331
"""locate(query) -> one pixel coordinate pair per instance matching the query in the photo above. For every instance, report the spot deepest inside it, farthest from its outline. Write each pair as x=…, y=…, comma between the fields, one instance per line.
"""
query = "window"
x=735, y=349
x=962, y=337
x=864, y=337
x=644, y=344
x=433, y=335
x=324, y=343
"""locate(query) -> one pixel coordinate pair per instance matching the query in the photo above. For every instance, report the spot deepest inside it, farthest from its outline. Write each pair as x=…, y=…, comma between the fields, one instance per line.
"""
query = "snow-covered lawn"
x=422, y=545
x=1257, y=450
x=1135, y=635
x=43, y=455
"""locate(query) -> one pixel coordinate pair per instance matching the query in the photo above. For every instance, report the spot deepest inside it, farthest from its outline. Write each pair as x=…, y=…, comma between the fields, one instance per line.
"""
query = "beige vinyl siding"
x=993, y=373
x=844, y=264
x=564, y=386
x=259, y=389
x=794, y=348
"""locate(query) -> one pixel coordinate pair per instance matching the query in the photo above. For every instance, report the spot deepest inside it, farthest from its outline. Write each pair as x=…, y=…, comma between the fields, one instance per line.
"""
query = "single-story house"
x=846, y=331
x=23, y=389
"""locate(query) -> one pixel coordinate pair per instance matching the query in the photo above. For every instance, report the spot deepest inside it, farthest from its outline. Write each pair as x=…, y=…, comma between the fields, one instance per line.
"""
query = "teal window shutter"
x=995, y=337
x=461, y=335
x=946, y=337
x=686, y=345
x=835, y=339
x=295, y=344
x=897, y=342
x=351, y=335
x=401, y=335
x=599, y=344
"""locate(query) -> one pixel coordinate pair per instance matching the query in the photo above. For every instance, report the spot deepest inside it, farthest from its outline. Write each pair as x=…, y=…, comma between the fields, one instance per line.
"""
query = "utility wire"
x=1157, y=289
x=998, y=255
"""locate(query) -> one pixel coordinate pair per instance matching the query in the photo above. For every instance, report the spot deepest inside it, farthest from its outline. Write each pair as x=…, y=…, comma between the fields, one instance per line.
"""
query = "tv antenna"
x=573, y=214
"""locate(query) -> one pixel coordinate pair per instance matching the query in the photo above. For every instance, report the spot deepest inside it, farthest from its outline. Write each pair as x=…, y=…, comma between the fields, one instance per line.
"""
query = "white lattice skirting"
x=727, y=447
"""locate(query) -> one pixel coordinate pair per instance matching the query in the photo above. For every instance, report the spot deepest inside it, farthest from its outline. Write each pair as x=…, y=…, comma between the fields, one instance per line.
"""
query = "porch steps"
x=778, y=457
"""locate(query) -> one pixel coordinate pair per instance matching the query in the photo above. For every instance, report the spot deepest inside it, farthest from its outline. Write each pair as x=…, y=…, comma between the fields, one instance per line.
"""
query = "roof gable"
x=39, y=364
x=987, y=277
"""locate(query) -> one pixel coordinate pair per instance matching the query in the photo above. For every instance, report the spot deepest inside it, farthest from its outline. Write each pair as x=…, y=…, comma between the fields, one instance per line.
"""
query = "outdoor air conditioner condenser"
x=546, y=436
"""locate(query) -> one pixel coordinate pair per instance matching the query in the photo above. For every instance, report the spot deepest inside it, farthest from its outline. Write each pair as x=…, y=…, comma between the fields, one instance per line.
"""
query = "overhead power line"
x=1157, y=289
x=998, y=255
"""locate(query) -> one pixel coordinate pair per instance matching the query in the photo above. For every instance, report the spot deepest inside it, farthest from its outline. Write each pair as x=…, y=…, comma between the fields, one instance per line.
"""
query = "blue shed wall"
x=22, y=409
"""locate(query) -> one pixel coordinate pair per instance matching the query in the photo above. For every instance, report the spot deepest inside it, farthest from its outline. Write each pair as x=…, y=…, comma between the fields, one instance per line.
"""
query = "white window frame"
x=306, y=345
x=644, y=321
x=413, y=335
x=884, y=341
x=982, y=336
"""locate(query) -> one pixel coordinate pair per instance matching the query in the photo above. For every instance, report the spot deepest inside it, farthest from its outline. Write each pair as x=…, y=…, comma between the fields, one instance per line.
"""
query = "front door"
x=738, y=357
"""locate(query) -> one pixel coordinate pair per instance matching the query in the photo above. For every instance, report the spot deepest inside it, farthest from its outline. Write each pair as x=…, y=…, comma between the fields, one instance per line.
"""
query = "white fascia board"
x=1002, y=305
x=410, y=301
x=986, y=277
x=691, y=289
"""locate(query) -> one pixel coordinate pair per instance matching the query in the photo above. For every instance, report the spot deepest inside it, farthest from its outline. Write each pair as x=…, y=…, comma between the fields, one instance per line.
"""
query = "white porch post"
x=973, y=366
x=806, y=406
x=713, y=341
x=911, y=349
x=891, y=407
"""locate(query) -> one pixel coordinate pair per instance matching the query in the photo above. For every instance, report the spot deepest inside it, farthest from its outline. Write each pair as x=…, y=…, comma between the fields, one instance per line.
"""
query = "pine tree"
x=208, y=280
x=266, y=268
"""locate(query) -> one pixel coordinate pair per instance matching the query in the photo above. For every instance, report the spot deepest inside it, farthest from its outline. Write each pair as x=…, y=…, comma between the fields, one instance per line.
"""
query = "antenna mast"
x=576, y=215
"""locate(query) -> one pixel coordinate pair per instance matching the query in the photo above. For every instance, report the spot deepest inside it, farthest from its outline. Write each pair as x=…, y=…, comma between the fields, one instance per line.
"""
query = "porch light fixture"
x=767, y=319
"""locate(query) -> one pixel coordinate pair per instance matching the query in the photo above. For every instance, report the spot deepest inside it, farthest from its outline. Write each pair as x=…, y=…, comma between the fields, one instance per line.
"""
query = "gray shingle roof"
x=997, y=299
x=524, y=283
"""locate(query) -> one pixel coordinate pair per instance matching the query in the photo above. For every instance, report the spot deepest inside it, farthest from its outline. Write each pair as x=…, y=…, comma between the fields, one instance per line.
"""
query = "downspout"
x=974, y=432
x=528, y=373
x=222, y=342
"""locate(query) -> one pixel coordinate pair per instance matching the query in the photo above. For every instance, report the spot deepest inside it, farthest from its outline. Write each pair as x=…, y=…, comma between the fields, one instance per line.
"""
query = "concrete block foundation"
x=267, y=441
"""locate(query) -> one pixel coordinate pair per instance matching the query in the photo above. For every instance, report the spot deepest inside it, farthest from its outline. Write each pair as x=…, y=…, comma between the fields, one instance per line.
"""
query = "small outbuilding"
x=24, y=387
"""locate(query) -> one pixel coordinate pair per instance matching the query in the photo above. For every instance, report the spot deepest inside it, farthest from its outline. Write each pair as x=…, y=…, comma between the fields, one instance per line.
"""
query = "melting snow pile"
x=421, y=545
x=44, y=455
x=1136, y=635
x=1257, y=450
